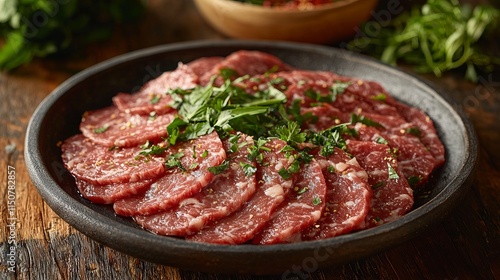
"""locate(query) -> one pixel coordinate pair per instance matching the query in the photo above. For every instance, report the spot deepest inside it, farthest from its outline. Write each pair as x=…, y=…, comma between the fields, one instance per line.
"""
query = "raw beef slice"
x=185, y=178
x=225, y=194
x=348, y=197
x=392, y=195
x=110, y=127
x=102, y=166
x=302, y=207
x=243, y=224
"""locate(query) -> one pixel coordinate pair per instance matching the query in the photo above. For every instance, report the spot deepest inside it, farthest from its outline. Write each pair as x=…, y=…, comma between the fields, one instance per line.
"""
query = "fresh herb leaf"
x=285, y=174
x=381, y=140
x=355, y=118
x=291, y=133
x=218, y=169
x=316, y=201
x=414, y=180
x=101, y=129
x=329, y=139
x=392, y=173
x=173, y=160
x=155, y=98
x=339, y=87
x=248, y=168
x=413, y=131
x=438, y=36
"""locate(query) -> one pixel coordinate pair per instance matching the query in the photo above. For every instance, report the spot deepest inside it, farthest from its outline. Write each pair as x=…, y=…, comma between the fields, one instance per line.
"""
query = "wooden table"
x=466, y=245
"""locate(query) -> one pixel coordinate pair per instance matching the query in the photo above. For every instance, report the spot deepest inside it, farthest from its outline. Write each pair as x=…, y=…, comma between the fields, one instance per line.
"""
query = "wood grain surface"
x=466, y=245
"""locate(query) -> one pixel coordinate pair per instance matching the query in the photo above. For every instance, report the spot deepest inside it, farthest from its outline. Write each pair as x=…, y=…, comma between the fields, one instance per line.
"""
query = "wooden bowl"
x=326, y=23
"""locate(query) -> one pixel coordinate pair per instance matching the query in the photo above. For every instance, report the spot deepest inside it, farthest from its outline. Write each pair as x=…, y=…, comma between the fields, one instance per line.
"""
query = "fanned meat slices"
x=152, y=96
x=392, y=195
x=242, y=225
x=188, y=175
x=348, y=197
x=391, y=147
x=110, y=127
x=203, y=65
x=224, y=195
x=110, y=193
x=101, y=165
x=246, y=63
x=302, y=207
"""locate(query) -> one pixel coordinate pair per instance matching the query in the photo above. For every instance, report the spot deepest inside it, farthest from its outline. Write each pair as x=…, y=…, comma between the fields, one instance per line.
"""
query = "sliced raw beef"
x=188, y=174
x=152, y=96
x=111, y=127
x=314, y=93
x=415, y=161
x=392, y=195
x=203, y=65
x=323, y=117
x=246, y=63
x=243, y=224
x=108, y=194
x=102, y=166
x=224, y=195
x=302, y=207
x=348, y=197
x=414, y=158
x=428, y=133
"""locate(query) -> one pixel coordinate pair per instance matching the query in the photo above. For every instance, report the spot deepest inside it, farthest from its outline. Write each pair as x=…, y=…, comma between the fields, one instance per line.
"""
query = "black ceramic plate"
x=58, y=117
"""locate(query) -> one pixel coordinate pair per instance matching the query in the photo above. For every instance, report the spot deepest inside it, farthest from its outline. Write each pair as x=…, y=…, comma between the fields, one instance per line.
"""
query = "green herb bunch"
x=438, y=36
x=37, y=28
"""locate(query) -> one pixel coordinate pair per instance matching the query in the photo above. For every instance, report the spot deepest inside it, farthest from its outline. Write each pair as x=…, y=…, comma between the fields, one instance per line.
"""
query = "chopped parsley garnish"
x=152, y=116
x=413, y=131
x=339, y=87
x=248, y=168
x=381, y=140
x=173, y=160
x=155, y=98
x=380, y=97
x=330, y=169
x=101, y=129
x=290, y=133
x=317, y=96
x=378, y=185
x=148, y=149
x=218, y=169
x=364, y=120
x=316, y=201
x=233, y=139
x=224, y=108
x=303, y=190
x=392, y=173
x=329, y=139
x=414, y=180
x=284, y=173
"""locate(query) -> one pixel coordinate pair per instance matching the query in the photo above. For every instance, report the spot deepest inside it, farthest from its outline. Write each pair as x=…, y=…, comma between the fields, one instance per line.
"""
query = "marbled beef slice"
x=348, y=197
x=243, y=224
x=111, y=127
x=101, y=165
x=188, y=175
x=302, y=207
x=392, y=195
x=224, y=195
x=152, y=97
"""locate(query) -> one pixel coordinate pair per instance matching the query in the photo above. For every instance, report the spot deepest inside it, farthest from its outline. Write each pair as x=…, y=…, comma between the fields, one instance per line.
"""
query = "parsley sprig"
x=436, y=37
x=225, y=108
